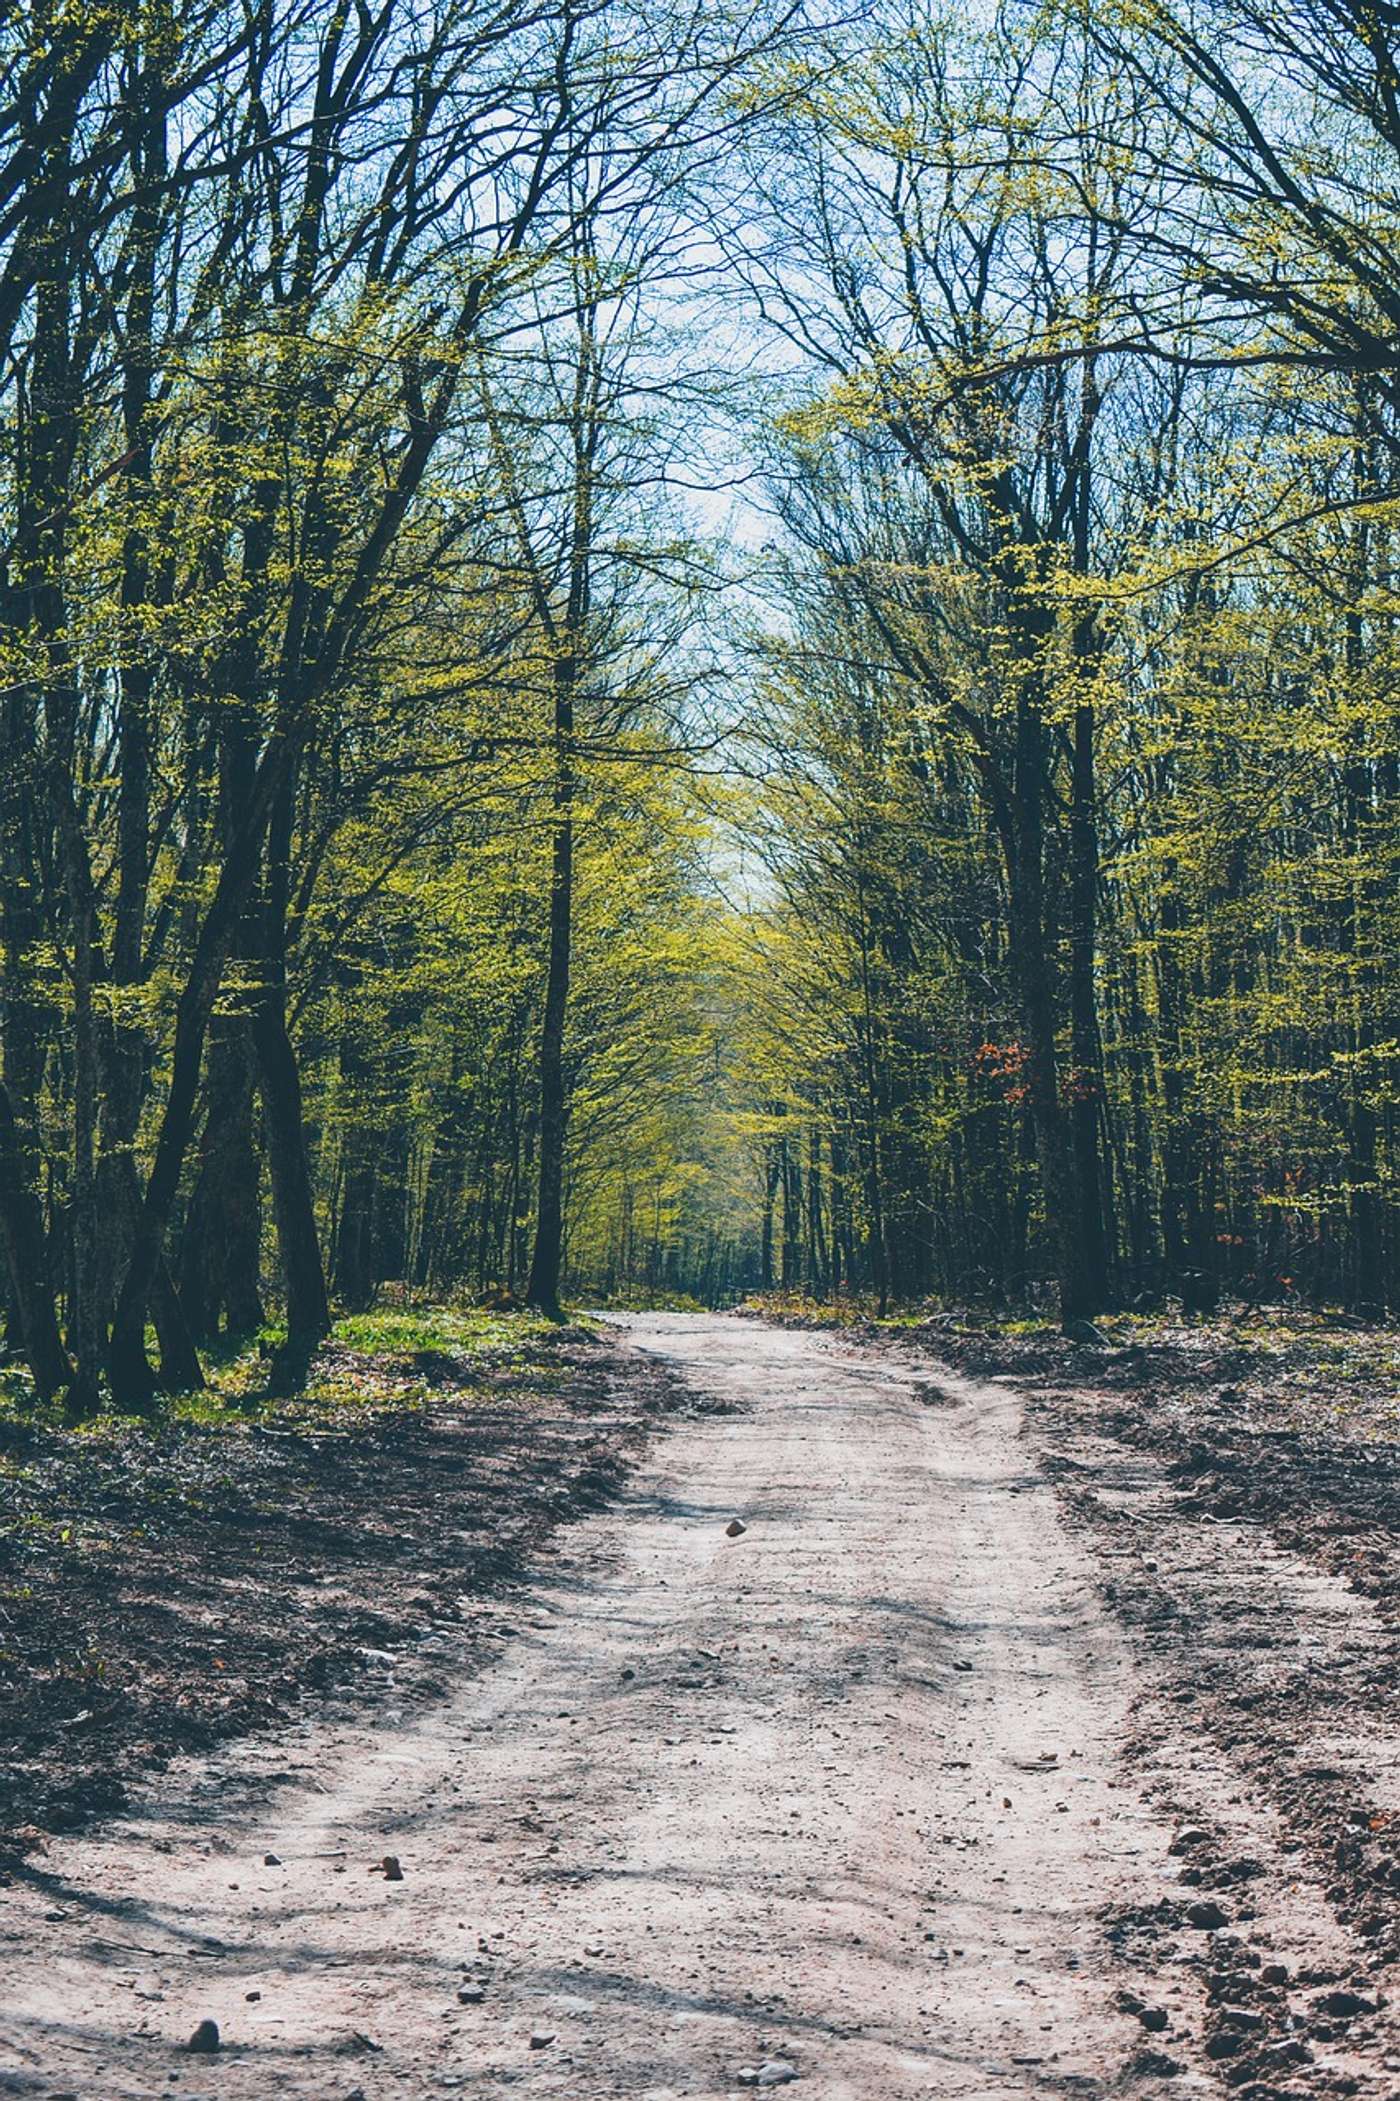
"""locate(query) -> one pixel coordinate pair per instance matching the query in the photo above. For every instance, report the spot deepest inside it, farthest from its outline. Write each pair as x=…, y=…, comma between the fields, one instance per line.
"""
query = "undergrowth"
x=390, y=1357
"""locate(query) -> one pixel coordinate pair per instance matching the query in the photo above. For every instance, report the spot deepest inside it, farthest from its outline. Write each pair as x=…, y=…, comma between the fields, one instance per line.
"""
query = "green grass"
x=636, y=1300
x=471, y=1333
x=368, y=1365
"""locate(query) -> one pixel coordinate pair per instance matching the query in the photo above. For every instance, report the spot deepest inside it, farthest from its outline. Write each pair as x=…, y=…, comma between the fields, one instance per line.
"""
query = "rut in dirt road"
x=840, y=1798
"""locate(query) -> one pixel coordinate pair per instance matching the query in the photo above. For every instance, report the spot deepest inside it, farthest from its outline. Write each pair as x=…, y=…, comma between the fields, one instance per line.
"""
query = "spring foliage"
x=440, y=849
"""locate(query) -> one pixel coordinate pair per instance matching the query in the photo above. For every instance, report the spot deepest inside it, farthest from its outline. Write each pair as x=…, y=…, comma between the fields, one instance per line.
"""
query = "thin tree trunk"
x=1035, y=974
x=543, y=1288
x=221, y=1244
x=26, y=1255
x=279, y=1082
x=766, y=1237
x=1086, y=1080
x=308, y=1306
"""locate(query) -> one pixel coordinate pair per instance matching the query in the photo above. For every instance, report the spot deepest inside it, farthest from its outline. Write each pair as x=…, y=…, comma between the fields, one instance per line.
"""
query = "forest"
x=699, y=1049
x=678, y=649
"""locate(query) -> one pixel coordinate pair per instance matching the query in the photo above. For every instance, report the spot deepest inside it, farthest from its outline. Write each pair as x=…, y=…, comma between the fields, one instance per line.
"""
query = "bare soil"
x=164, y=1588
x=1239, y=1481
x=992, y=1758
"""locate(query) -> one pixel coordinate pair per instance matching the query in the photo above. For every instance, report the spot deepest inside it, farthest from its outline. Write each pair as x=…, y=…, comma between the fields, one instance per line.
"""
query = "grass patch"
x=390, y=1357
x=472, y=1333
x=635, y=1300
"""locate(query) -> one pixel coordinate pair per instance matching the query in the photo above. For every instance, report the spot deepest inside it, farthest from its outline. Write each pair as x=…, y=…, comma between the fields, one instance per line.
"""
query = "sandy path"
x=843, y=1792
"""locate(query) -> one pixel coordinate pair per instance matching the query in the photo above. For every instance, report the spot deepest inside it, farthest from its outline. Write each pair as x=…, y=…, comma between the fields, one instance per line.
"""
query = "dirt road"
x=841, y=1796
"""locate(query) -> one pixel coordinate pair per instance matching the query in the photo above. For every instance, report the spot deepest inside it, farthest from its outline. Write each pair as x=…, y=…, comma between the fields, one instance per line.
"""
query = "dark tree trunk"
x=1033, y=958
x=132, y=1382
x=547, y=1259
x=26, y=1255
x=144, y=581
x=354, y=1234
x=771, y=1168
x=1086, y=1079
x=545, y=1264
x=48, y=437
x=1192, y=1257
x=180, y=1368
x=284, y=1126
x=220, y=1248
x=1365, y=1281
x=817, y=1264
x=792, y=1213
x=308, y=1307
x=1365, y=1284
x=843, y=1243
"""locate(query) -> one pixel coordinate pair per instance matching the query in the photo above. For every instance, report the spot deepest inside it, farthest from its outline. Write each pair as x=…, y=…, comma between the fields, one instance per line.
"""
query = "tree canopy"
x=682, y=648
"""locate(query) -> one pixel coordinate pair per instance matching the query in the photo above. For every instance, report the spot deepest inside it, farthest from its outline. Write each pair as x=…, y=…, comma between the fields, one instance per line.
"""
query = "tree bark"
x=279, y=1082
x=1035, y=972
x=546, y=1261
x=132, y=1382
x=26, y=1255
x=1086, y=1079
x=308, y=1307
x=220, y=1247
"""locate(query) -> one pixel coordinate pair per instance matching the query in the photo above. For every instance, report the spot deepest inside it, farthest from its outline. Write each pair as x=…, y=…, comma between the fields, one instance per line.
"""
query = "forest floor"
x=1037, y=1737
x=165, y=1587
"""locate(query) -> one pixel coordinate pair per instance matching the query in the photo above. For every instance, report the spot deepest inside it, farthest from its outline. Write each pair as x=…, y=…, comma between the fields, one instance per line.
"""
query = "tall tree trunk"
x=1086, y=1078
x=1365, y=1278
x=129, y=1369
x=1034, y=963
x=44, y=471
x=143, y=583
x=817, y=1262
x=308, y=1306
x=1053, y=1148
x=279, y=1082
x=792, y=1213
x=1365, y=1282
x=220, y=1248
x=546, y=1261
x=877, y=1246
x=543, y=1288
x=1192, y=1256
x=771, y=1168
x=26, y=1255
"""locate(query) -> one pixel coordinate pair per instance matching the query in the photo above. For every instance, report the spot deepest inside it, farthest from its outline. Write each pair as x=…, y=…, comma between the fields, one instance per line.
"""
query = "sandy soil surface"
x=880, y=1792
x=166, y=1588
